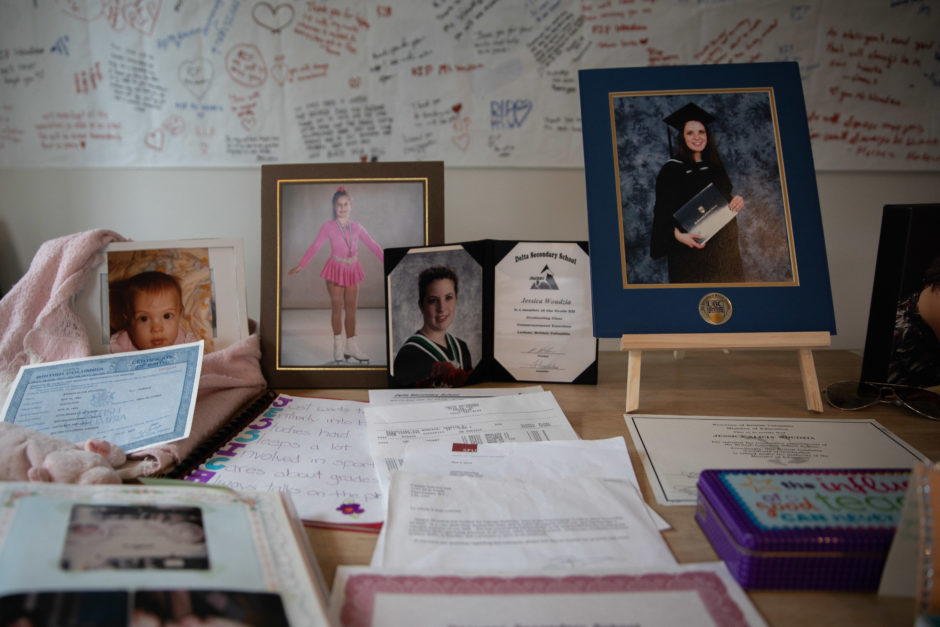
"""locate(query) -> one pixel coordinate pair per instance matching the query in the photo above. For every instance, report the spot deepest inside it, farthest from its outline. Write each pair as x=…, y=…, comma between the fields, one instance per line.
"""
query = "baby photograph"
x=160, y=297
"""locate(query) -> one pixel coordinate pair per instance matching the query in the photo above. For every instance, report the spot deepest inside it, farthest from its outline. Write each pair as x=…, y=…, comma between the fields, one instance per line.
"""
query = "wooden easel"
x=802, y=342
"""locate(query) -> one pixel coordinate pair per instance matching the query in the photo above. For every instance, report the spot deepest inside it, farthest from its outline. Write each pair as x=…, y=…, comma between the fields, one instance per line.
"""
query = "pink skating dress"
x=343, y=267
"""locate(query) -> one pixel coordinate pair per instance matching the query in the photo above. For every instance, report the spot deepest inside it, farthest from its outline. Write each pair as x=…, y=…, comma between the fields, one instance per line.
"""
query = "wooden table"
x=738, y=383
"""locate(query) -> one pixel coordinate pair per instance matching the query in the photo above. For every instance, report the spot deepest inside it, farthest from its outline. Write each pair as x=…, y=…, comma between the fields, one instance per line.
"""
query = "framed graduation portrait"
x=324, y=228
x=703, y=214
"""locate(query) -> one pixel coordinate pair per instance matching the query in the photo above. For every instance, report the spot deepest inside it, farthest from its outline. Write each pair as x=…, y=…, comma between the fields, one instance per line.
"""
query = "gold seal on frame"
x=715, y=308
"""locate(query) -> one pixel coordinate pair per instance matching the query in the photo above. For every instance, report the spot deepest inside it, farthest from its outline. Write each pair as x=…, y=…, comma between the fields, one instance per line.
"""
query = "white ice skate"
x=353, y=350
x=338, y=349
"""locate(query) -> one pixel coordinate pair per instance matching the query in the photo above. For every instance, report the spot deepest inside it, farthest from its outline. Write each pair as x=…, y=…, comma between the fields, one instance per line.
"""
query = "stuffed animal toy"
x=28, y=455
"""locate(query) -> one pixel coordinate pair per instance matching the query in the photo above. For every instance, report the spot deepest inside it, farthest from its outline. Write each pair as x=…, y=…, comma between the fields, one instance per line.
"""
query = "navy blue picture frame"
x=765, y=144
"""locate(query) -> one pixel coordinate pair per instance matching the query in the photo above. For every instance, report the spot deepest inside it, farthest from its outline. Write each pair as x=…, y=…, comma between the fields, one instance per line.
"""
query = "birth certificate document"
x=542, y=312
x=135, y=400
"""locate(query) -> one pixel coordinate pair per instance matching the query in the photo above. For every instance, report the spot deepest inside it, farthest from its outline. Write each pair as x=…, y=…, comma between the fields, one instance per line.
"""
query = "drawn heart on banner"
x=249, y=122
x=196, y=76
x=462, y=141
x=245, y=65
x=273, y=18
x=142, y=15
x=521, y=110
x=154, y=139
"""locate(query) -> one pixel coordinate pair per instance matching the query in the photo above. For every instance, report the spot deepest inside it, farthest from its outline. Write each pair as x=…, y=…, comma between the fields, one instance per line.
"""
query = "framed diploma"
x=323, y=231
x=654, y=138
x=489, y=310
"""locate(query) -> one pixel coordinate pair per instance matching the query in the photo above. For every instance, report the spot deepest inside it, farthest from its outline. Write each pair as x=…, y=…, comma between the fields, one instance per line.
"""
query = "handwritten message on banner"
x=470, y=82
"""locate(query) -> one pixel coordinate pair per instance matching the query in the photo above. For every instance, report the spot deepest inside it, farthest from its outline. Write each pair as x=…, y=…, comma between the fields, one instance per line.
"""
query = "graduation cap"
x=679, y=117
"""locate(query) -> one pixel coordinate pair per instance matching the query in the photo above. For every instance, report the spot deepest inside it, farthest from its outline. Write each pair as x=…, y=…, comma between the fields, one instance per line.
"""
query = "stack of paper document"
x=497, y=513
x=534, y=417
x=504, y=482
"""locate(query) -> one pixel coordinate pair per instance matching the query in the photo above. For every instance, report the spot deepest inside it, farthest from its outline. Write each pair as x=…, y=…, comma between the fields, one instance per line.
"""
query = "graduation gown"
x=720, y=260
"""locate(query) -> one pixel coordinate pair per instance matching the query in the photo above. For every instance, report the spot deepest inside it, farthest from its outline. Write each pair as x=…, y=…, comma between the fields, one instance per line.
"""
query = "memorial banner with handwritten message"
x=469, y=82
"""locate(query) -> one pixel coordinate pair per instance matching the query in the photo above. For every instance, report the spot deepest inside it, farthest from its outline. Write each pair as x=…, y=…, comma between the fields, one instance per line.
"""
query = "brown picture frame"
x=396, y=203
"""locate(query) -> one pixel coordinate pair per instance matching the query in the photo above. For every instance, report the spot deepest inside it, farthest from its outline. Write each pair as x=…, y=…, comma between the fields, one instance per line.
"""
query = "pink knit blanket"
x=38, y=324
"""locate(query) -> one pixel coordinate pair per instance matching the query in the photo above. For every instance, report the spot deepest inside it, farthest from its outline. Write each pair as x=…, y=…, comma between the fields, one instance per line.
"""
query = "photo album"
x=154, y=554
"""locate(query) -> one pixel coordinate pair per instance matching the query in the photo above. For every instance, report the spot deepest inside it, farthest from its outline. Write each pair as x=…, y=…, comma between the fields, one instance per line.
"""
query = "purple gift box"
x=802, y=529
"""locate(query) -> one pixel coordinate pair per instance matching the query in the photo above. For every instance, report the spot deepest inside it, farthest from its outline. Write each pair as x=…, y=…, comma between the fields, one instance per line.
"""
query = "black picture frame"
x=907, y=245
x=539, y=353
x=399, y=204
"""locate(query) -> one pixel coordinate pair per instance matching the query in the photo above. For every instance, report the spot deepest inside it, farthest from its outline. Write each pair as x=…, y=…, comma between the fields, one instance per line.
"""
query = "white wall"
x=155, y=204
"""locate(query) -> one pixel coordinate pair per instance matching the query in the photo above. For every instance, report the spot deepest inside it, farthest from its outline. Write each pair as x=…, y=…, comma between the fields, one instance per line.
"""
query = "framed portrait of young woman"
x=324, y=228
x=703, y=213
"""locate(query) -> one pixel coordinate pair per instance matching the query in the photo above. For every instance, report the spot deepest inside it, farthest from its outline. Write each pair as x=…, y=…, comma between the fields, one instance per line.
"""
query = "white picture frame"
x=223, y=264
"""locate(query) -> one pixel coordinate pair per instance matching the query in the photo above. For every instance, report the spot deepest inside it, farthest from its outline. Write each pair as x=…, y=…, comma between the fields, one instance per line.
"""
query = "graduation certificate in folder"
x=705, y=213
